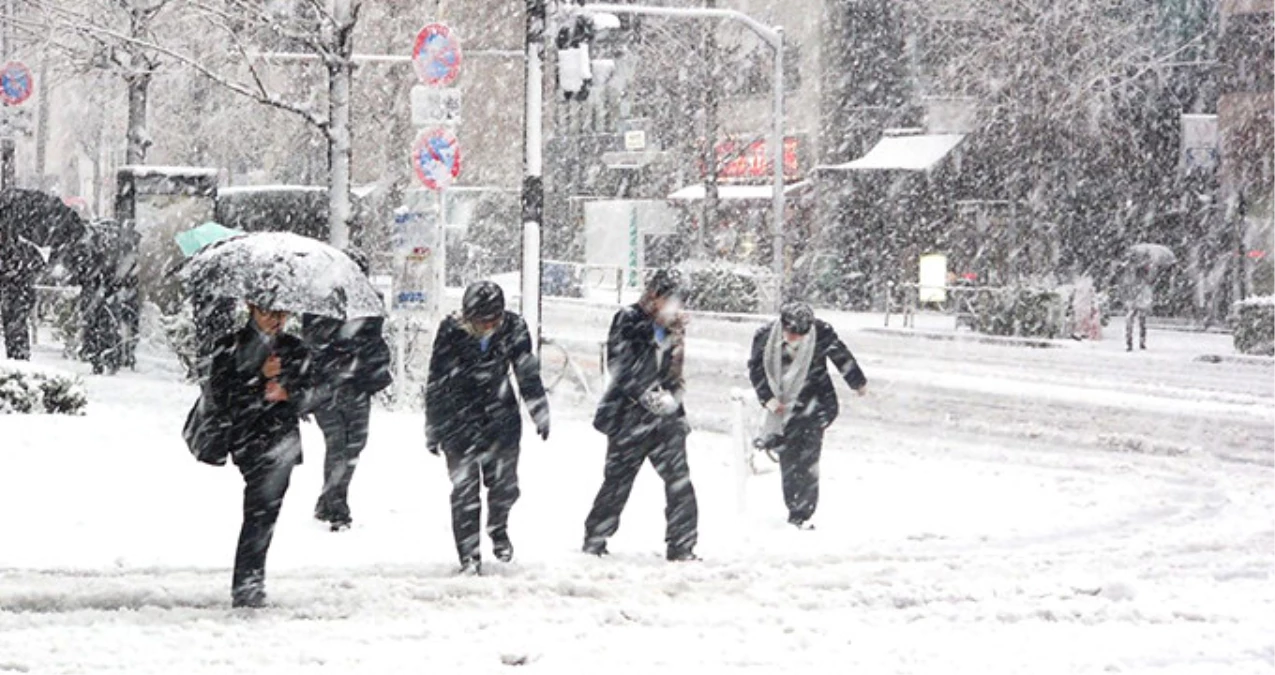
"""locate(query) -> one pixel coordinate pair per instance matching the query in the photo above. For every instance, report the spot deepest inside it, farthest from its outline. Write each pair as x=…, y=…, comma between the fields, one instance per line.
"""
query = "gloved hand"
x=658, y=402
x=542, y=428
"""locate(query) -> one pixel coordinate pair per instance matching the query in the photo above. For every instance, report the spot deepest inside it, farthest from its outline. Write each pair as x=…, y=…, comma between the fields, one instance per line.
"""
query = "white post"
x=400, y=368
x=742, y=448
x=531, y=280
x=777, y=156
x=533, y=169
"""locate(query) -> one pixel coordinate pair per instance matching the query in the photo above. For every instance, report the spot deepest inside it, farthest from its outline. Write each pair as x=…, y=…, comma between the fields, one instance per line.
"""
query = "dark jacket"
x=351, y=356
x=20, y=264
x=469, y=400
x=238, y=390
x=817, y=402
x=634, y=369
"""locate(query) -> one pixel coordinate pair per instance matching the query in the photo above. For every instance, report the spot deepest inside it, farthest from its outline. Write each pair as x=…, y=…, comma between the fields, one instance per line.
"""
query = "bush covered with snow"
x=718, y=287
x=25, y=389
x=1254, y=326
x=1021, y=312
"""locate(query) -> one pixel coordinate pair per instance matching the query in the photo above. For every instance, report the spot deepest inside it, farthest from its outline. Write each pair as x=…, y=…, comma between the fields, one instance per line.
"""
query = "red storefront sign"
x=743, y=161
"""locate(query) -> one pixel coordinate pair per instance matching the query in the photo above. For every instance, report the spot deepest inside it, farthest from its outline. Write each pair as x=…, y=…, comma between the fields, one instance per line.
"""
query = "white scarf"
x=786, y=384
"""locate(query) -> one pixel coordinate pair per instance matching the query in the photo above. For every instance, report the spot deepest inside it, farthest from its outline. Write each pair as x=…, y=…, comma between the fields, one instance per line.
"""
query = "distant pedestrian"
x=20, y=263
x=789, y=371
x=642, y=415
x=1139, y=296
x=472, y=416
x=260, y=387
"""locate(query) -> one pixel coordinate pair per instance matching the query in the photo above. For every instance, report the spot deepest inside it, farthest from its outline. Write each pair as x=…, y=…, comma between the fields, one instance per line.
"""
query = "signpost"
x=420, y=239
x=16, y=83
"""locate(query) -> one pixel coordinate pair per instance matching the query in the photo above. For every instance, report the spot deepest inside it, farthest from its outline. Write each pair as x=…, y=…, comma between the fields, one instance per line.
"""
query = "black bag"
x=378, y=375
x=206, y=436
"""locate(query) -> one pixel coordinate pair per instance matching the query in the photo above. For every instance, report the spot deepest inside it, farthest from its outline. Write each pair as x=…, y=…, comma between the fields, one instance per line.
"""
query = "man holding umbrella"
x=261, y=381
x=259, y=377
x=1142, y=266
x=472, y=417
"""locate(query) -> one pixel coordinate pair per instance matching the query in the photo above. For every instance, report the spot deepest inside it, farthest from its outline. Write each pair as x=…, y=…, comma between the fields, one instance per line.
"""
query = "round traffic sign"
x=436, y=55
x=436, y=158
x=15, y=83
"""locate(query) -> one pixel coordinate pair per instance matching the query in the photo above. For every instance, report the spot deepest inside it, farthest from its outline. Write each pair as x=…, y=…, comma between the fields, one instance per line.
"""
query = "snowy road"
x=986, y=509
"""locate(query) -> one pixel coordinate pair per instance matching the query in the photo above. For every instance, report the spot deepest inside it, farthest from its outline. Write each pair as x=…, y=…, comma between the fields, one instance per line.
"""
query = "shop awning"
x=735, y=192
x=918, y=152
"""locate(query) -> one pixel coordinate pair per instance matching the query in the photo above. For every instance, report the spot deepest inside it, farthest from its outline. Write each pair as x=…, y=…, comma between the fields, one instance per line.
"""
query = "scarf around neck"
x=785, y=383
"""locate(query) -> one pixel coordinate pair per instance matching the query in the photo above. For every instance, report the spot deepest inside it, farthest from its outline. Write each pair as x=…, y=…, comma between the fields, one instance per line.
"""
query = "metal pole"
x=777, y=157
x=533, y=196
x=8, y=148
x=773, y=37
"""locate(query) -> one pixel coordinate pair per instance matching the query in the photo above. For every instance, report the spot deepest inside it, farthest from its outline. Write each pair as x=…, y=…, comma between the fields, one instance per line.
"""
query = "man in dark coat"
x=471, y=414
x=789, y=372
x=259, y=387
x=20, y=263
x=642, y=416
x=353, y=359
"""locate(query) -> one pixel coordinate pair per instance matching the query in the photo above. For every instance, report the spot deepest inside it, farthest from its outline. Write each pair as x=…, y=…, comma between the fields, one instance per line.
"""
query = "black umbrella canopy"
x=38, y=217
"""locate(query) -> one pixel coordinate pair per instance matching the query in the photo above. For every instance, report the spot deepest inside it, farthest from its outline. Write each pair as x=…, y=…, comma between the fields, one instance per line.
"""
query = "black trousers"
x=799, y=468
x=665, y=447
x=266, y=477
x=1138, y=316
x=344, y=421
x=494, y=466
x=16, y=303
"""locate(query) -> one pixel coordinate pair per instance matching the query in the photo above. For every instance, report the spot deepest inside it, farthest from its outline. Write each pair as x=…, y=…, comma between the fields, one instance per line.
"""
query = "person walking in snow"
x=20, y=263
x=788, y=368
x=1139, y=297
x=354, y=360
x=472, y=416
x=260, y=386
x=642, y=415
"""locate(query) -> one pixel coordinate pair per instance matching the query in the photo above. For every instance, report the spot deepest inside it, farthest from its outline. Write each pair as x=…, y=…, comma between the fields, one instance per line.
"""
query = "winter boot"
x=502, y=548
x=597, y=547
x=250, y=596
x=471, y=567
x=682, y=555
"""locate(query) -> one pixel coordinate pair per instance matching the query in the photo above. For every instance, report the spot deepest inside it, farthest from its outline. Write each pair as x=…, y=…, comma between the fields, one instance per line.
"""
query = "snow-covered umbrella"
x=1155, y=255
x=286, y=272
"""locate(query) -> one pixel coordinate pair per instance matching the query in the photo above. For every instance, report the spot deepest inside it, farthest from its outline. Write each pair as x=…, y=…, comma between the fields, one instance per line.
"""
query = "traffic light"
x=575, y=70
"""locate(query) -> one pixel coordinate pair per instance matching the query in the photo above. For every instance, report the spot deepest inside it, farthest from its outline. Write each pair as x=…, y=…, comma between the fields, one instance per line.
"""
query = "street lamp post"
x=533, y=187
x=772, y=36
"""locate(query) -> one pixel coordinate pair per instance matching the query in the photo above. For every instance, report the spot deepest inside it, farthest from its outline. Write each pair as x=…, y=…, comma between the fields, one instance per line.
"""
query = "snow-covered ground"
x=986, y=509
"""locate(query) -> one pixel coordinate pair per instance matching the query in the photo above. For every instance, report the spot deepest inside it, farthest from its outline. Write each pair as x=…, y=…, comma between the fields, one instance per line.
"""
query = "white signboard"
x=635, y=140
x=418, y=258
x=432, y=106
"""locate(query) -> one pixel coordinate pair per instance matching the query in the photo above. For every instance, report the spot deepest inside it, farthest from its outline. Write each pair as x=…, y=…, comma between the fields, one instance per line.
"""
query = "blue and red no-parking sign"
x=436, y=55
x=436, y=158
x=16, y=83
